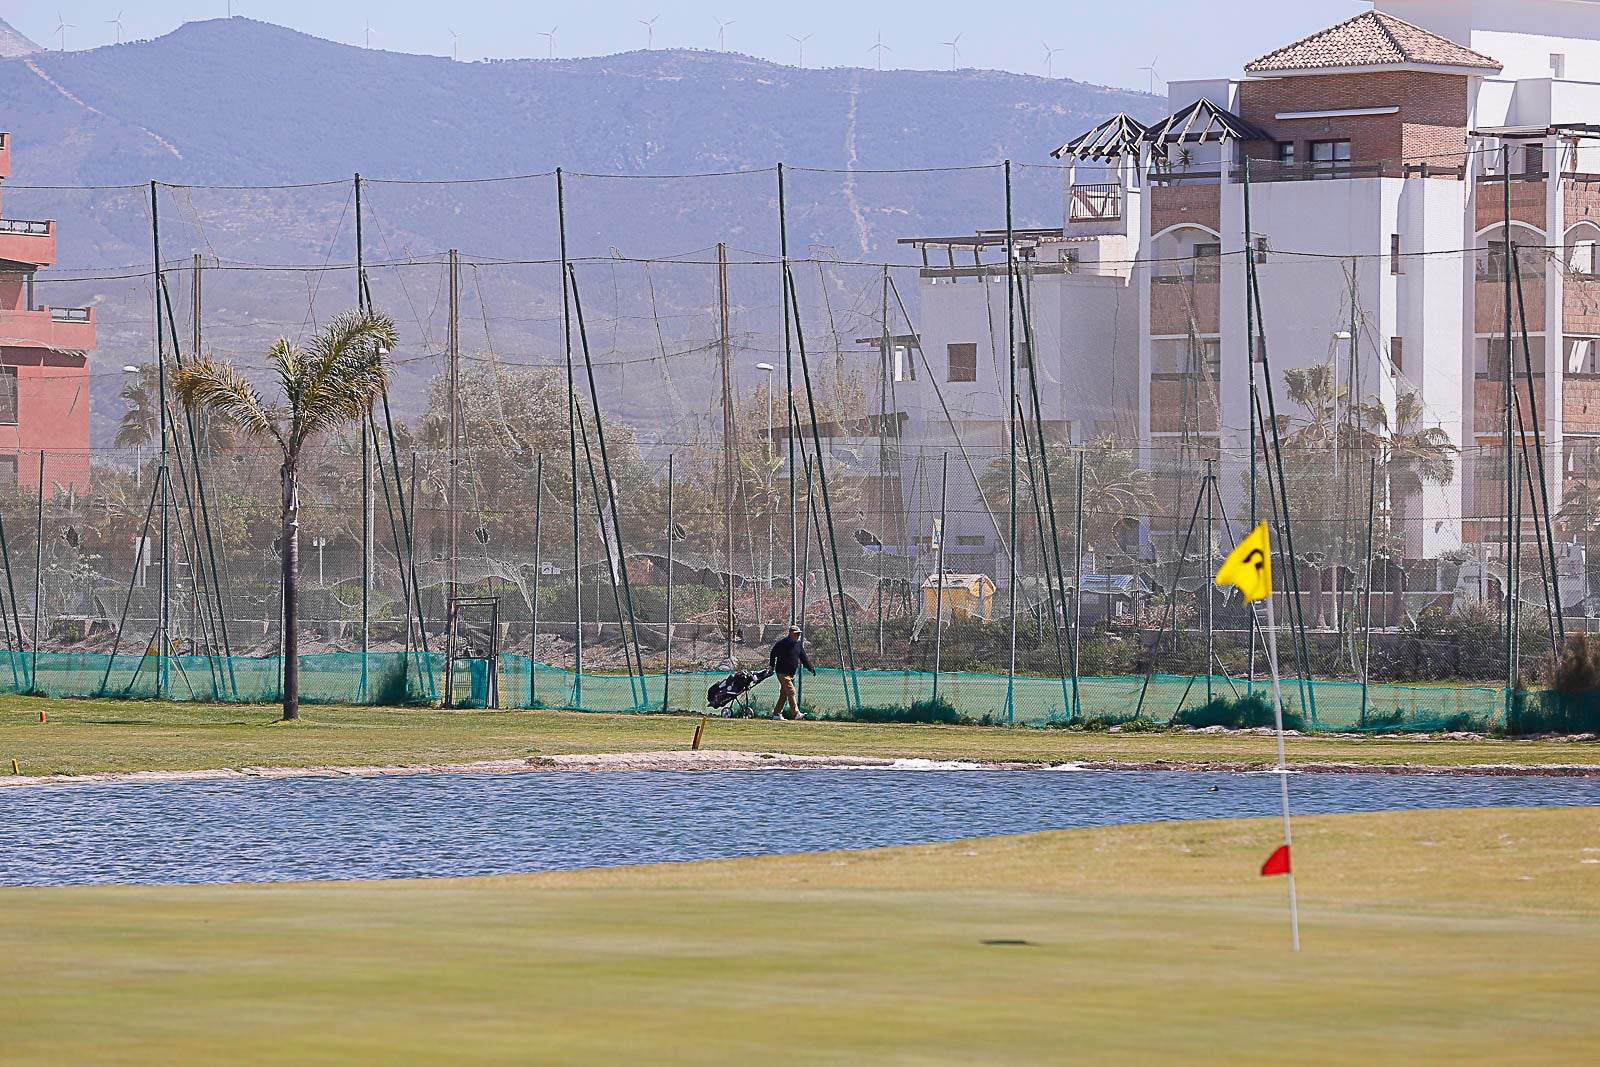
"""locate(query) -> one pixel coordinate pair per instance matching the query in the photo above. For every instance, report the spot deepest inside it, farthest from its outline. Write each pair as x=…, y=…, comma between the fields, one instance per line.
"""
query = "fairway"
x=1445, y=937
x=97, y=736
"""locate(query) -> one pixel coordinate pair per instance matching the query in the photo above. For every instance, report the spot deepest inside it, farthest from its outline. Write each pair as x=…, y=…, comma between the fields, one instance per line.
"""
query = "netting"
x=1012, y=483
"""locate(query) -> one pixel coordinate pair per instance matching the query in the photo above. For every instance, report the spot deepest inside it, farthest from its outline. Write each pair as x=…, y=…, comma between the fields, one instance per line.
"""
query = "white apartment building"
x=1378, y=152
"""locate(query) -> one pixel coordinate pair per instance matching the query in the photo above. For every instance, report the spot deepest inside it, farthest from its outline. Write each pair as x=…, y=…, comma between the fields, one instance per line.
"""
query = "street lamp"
x=320, y=543
x=771, y=547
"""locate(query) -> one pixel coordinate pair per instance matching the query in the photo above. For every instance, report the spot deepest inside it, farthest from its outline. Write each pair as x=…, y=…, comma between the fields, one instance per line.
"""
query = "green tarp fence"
x=394, y=678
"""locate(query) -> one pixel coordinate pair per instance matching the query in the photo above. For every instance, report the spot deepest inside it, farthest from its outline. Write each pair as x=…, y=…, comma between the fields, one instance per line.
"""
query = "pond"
x=457, y=825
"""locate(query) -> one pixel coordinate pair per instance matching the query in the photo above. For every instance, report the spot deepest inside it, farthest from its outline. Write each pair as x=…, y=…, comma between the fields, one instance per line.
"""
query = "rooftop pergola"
x=1120, y=135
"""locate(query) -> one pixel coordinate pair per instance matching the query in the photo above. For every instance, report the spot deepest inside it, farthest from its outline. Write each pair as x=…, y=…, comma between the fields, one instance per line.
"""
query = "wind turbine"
x=880, y=48
x=550, y=36
x=62, y=26
x=722, y=32
x=1153, y=72
x=117, y=22
x=1050, y=59
x=801, y=41
x=955, y=50
x=649, y=25
x=455, y=46
x=369, y=33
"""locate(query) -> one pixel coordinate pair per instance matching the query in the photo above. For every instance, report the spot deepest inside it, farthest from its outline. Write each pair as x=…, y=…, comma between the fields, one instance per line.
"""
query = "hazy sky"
x=1103, y=41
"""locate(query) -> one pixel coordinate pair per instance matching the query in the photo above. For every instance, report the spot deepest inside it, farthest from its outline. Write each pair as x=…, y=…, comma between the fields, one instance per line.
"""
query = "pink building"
x=44, y=363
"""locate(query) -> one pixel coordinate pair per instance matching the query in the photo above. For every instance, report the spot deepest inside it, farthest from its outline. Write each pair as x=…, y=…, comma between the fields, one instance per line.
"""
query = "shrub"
x=922, y=713
x=1247, y=713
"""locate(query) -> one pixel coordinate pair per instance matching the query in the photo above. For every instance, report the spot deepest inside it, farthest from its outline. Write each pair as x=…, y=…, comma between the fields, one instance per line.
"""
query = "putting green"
x=1431, y=937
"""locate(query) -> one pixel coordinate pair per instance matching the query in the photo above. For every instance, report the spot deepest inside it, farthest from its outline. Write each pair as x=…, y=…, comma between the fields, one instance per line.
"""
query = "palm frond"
x=344, y=369
x=217, y=386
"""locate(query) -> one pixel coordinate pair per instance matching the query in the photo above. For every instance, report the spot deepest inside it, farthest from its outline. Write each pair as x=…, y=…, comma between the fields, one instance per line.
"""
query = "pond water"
x=454, y=825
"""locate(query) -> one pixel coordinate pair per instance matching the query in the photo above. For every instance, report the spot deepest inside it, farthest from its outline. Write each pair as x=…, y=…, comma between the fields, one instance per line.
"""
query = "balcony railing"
x=1269, y=170
x=36, y=229
x=72, y=314
x=3, y=138
x=1095, y=203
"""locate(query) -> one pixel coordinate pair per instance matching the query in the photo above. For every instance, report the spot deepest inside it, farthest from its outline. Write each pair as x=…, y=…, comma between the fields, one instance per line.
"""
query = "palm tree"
x=1411, y=456
x=141, y=421
x=332, y=381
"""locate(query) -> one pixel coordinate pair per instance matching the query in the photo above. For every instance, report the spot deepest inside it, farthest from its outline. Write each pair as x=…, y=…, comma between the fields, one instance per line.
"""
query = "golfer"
x=788, y=656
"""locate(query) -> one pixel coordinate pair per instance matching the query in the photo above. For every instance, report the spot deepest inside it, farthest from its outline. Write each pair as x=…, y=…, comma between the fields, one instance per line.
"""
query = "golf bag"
x=731, y=695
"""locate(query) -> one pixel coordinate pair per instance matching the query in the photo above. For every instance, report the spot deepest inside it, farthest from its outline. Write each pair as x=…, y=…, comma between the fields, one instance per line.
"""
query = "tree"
x=332, y=381
x=141, y=422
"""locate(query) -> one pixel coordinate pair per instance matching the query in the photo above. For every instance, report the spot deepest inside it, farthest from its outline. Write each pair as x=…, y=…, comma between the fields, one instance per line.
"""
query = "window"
x=8, y=397
x=1497, y=359
x=963, y=362
x=1397, y=354
x=1581, y=359
x=1207, y=262
x=8, y=471
x=1533, y=162
x=1558, y=65
x=1581, y=260
x=970, y=540
x=1286, y=152
x=1330, y=159
x=1262, y=248
x=1492, y=265
x=905, y=368
x=1024, y=354
x=1396, y=263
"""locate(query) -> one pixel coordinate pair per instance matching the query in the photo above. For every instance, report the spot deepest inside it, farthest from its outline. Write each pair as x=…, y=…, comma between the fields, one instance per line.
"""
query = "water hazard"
x=454, y=825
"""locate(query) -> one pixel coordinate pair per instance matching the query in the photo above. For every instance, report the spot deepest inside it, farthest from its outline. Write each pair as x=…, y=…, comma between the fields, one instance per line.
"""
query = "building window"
x=1286, y=153
x=1581, y=360
x=1397, y=354
x=1492, y=265
x=970, y=540
x=1533, y=162
x=1582, y=259
x=1207, y=262
x=1330, y=159
x=1263, y=246
x=1498, y=367
x=963, y=362
x=1024, y=355
x=1558, y=65
x=8, y=471
x=905, y=368
x=8, y=397
x=1396, y=263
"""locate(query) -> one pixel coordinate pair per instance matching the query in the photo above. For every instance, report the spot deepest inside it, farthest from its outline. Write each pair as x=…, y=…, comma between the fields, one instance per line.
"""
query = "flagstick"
x=1283, y=765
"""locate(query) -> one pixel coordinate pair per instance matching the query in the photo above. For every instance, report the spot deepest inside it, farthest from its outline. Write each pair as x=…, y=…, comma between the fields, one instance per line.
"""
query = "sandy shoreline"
x=750, y=761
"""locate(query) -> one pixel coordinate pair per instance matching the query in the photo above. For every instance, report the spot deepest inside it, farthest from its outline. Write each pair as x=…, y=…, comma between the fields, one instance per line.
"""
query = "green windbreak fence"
x=394, y=678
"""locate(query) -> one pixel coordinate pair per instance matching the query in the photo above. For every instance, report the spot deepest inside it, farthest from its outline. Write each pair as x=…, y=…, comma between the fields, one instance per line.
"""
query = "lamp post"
x=771, y=548
x=320, y=543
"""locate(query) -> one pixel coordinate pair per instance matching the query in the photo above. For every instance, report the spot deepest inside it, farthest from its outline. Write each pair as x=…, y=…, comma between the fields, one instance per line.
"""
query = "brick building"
x=1382, y=153
x=44, y=363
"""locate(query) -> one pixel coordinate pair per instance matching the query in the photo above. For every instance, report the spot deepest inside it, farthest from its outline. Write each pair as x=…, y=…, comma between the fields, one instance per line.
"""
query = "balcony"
x=53, y=329
x=1181, y=304
x=29, y=242
x=1094, y=203
x=1180, y=402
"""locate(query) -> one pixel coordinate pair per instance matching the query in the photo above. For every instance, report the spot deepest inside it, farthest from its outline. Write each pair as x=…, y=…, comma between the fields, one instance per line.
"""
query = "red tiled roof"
x=1375, y=39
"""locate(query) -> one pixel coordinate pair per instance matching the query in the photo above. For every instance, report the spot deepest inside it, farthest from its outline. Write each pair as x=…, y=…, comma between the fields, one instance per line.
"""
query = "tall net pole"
x=725, y=354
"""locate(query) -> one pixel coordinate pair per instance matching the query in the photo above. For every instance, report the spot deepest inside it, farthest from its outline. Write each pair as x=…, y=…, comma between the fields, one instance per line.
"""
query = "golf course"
x=1430, y=938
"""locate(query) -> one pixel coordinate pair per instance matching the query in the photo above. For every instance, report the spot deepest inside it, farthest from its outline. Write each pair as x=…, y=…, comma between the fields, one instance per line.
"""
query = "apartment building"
x=1383, y=155
x=44, y=363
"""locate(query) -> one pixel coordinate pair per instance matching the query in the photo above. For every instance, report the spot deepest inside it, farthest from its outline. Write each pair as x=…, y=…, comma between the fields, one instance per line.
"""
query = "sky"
x=1108, y=42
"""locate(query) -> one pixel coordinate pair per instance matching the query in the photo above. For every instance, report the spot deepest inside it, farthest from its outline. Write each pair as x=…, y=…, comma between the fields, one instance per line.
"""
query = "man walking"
x=788, y=656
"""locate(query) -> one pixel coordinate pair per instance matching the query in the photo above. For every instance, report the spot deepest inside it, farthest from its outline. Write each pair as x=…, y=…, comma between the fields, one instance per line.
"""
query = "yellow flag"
x=1250, y=567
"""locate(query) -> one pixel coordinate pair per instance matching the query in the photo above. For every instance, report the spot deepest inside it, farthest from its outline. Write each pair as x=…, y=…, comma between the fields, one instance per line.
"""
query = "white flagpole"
x=1283, y=765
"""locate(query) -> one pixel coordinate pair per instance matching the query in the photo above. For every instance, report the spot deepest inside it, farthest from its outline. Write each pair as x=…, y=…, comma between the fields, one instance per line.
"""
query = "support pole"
x=164, y=608
x=1077, y=596
x=572, y=444
x=666, y=672
x=454, y=341
x=938, y=596
x=1208, y=490
x=538, y=576
x=366, y=445
x=1011, y=435
x=1366, y=624
x=1508, y=252
x=38, y=579
x=1283, y=767
x=789, y=326
x=725, y=352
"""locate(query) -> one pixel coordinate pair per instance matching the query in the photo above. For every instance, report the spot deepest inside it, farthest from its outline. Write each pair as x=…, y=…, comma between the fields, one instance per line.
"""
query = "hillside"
x=235, y=102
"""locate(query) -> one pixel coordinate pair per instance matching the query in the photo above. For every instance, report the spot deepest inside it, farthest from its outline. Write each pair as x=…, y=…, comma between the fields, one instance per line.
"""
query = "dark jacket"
x=788, y=656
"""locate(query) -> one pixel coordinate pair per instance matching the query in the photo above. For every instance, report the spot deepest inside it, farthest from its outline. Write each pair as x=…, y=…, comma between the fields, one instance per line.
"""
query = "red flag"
x=1277, y=863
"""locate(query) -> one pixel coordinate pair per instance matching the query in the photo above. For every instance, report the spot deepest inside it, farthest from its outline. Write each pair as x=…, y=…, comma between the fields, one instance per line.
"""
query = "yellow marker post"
x=1249, y=569
x=699, y=733
x=14, y=768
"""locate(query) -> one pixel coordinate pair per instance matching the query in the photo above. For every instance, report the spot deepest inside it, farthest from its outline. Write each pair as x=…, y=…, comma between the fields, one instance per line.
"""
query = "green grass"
x=87, y=736
x=1430, y=938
